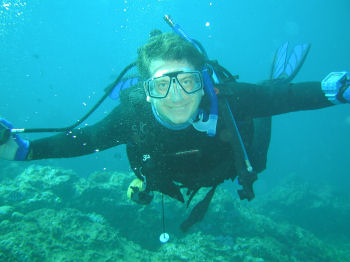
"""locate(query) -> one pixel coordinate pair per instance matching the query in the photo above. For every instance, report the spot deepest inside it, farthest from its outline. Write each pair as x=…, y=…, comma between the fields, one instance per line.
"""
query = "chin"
x=178, y=121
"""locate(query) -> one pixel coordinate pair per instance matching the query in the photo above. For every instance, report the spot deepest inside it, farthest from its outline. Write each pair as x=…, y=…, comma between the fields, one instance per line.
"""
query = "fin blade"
x=125, y=83
x=296, y=60
x=279, y=62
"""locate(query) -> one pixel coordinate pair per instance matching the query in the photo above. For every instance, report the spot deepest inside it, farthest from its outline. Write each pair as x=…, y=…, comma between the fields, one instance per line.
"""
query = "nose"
x=176, y=93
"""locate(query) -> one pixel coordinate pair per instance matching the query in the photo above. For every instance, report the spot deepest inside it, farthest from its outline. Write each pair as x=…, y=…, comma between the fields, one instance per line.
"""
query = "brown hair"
x=167, y=46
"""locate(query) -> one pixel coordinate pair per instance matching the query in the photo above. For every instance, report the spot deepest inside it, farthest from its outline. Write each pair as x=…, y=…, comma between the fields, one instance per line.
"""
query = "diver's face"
x=177, y=107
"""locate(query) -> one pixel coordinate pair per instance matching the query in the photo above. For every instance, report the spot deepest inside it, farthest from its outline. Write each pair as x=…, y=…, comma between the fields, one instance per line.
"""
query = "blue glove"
x=336, y=87
x=13, y=147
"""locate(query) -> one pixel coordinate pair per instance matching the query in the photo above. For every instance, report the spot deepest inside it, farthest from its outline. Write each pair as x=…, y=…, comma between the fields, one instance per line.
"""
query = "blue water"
x=56, y=57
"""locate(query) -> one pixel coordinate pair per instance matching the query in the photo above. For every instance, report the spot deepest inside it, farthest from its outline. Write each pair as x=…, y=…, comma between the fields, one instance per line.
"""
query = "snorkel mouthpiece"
x=210, y=124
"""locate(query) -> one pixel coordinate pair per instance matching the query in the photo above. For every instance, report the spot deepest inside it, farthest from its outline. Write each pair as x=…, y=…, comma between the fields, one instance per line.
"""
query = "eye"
x=162, y=85
x=187, y=81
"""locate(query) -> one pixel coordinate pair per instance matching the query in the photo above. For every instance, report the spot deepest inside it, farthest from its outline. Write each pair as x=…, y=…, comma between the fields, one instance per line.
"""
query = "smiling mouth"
x=177, y=106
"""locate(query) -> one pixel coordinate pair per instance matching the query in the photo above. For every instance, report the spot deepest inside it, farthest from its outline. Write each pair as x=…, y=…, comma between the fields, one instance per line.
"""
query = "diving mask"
x=189, y=81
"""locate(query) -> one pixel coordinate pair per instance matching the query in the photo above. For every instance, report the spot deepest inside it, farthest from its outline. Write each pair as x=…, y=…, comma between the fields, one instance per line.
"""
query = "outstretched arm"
x=250, y=100
x=278, y=95
x=109, y=132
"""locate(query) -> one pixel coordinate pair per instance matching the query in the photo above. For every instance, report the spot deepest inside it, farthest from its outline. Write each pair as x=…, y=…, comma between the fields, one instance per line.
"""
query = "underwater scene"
x=58, y=58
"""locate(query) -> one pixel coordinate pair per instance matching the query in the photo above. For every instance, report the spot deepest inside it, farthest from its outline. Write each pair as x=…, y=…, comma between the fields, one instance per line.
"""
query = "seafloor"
x=50, y=214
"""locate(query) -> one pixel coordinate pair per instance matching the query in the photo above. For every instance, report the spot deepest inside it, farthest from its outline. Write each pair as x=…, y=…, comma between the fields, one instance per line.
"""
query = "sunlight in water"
x=11, y=14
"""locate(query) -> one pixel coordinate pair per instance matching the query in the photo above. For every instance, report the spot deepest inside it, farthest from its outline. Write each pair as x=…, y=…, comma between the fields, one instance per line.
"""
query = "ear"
x=148, y=98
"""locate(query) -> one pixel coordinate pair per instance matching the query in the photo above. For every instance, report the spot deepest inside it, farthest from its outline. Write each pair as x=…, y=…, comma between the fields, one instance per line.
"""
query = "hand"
x=346, y=93
x=12, y=147
x=336, y=87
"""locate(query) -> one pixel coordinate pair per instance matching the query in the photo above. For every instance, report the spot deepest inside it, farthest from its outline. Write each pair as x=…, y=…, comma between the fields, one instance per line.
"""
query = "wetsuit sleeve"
x=109, y=132
x=250, y=100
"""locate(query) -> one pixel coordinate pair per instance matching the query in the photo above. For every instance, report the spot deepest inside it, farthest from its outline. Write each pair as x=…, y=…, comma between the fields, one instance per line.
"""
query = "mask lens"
x=190, y=81
x=158, y=87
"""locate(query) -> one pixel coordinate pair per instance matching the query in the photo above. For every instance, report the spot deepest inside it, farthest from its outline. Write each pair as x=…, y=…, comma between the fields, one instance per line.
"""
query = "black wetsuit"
x=186, y=158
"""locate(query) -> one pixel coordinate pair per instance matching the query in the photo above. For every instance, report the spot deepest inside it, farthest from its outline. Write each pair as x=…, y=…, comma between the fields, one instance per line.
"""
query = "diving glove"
x=336, y=87
x=12, y=147
x=137, y=193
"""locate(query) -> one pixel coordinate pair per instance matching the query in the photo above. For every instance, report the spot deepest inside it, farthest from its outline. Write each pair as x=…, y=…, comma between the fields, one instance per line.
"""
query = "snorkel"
x=208, y=126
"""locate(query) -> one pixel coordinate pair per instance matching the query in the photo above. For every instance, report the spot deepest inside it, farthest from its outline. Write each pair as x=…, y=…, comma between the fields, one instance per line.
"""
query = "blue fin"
x=285, y=71
x=123, y=84
x=279, y=62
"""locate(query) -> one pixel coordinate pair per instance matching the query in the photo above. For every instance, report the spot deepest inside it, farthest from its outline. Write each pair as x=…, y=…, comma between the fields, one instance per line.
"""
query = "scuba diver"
x=186, y=121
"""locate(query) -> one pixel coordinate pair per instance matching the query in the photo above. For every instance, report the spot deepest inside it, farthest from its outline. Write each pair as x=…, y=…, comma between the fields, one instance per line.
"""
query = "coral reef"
x=320, y=208
x=50, y=214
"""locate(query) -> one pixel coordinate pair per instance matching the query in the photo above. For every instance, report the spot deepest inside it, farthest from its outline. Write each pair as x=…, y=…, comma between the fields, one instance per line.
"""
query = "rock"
x=16, y=216
x=6, y=211
x=319, y=208
x=52, y=214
